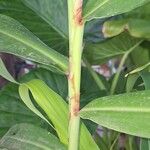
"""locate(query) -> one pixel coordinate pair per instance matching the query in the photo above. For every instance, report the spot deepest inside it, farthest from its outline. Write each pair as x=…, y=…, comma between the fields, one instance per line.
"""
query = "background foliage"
x=116, y=36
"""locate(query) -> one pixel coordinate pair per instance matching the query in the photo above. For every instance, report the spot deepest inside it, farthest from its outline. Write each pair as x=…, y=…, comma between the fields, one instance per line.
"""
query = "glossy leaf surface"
x=53, y=104
x=36, y=23
x=118, y=112
x=17, y=40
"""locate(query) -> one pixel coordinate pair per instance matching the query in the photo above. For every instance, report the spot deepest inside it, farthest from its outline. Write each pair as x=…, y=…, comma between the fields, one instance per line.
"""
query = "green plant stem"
x=125, y=56
x=94, y=75
x=76, y=28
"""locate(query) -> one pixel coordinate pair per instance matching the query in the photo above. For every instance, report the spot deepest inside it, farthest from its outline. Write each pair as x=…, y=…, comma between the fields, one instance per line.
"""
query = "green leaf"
x=52, y=104
x=46, y=9
x=17, y=40
x=13, y=111
x=86, y=140
x=24, y=94
x=103, y=51
x=26, y=136
x=118, y=112
x=34, y=22
x=57, y=111
x=57, y=82
x=106, y=8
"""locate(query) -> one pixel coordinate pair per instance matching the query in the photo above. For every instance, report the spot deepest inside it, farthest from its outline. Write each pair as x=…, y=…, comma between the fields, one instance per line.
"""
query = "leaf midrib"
x=117, y=109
